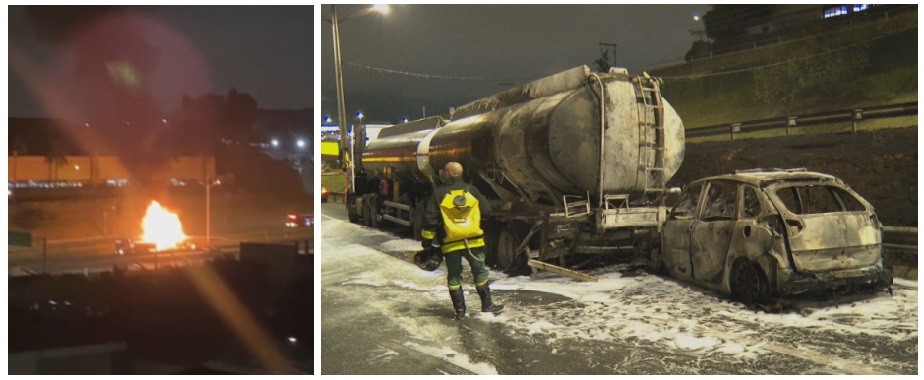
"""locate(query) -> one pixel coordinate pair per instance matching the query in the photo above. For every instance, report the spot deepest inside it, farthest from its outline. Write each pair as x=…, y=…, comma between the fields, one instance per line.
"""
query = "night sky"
x=163, y=51
x=499, y=43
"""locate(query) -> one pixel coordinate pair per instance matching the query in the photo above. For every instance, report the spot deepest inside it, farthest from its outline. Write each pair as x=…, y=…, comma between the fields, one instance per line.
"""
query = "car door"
x=711, y=236
x=675, y=235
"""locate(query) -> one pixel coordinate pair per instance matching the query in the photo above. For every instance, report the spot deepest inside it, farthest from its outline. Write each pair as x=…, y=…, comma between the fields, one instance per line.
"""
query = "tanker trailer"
x=574, y=164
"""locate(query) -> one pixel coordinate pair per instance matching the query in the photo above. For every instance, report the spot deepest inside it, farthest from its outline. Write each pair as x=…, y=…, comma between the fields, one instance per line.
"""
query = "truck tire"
x=368, y=217
x=507, y=242
x=354, y=217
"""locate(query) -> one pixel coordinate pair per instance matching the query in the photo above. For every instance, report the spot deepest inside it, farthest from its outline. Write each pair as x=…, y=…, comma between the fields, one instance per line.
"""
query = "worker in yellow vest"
x=452, y=220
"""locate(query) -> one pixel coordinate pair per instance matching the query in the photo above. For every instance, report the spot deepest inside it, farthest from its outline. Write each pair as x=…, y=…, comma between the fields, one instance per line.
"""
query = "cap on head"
x=452, y=170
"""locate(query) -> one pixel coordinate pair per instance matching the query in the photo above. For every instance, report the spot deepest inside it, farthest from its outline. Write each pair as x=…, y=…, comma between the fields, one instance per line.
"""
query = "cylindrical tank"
x=545, y=138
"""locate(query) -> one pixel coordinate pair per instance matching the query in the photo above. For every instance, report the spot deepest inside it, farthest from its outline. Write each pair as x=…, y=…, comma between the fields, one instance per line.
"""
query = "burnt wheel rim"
x=748, y=283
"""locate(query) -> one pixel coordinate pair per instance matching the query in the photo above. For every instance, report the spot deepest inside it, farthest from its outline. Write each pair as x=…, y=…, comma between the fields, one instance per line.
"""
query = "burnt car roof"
x=760, y=177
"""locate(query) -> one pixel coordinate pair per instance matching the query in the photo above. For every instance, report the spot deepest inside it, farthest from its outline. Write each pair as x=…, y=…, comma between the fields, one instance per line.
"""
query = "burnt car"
x=131, y=247
x=762, y=233
x=134, y=247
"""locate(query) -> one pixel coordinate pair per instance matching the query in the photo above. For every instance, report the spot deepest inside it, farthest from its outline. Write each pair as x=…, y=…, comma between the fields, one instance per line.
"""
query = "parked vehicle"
x=134, y=247
x=295, y=220
x=574, y=164
x=131, y=247
x=760, y=233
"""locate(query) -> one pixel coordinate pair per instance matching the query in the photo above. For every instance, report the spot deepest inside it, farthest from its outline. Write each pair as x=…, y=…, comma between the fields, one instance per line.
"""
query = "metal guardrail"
x=902, y=239
x=856, y=115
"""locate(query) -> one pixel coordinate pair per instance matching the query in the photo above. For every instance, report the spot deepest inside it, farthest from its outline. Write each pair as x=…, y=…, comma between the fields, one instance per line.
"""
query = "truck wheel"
x=354, y=217
x=368, y=216
x=507, y=242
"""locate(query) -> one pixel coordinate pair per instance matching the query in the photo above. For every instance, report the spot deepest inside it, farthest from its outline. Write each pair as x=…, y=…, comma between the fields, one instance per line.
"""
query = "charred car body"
x=759, y=233
x=575, y=165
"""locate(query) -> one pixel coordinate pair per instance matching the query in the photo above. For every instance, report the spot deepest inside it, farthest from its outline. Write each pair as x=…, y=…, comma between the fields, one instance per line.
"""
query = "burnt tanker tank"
x=575, y=164
x=573, y=133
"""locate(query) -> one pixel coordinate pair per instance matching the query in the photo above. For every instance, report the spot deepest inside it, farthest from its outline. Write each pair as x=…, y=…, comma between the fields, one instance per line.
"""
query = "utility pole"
x=609, y=46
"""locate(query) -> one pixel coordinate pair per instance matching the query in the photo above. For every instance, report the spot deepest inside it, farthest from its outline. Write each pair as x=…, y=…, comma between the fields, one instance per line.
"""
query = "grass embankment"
x=720, y=99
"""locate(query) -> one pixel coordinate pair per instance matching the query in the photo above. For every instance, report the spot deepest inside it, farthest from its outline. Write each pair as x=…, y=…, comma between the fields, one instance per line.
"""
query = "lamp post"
x=208, y=208
x=345, y=157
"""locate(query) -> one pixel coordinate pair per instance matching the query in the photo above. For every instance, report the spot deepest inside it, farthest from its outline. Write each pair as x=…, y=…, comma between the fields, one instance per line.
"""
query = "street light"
x=335, y=21
x=300, y=143
x=208, y=208
x=274, y=143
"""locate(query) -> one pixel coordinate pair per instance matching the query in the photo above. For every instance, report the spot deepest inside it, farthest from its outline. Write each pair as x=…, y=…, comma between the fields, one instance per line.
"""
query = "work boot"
x=458, y=302
x=486, y=306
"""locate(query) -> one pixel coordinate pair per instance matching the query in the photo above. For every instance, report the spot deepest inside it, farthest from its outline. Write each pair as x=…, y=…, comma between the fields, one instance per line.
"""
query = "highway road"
x=383, y=315
x=98, y=253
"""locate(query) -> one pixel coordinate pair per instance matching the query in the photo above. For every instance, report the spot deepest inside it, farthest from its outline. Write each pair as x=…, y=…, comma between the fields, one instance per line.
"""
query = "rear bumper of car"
x=874, y=276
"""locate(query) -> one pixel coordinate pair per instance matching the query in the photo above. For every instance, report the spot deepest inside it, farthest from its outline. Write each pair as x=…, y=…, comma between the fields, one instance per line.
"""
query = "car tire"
x=748, y=283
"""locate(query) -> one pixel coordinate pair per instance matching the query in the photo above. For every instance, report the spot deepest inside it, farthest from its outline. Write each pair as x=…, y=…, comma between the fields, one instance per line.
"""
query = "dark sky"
x=512, y=41
x=265, y=51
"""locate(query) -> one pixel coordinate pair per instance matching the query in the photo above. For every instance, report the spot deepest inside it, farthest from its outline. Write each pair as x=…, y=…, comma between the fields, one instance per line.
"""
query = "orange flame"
x=162, y=227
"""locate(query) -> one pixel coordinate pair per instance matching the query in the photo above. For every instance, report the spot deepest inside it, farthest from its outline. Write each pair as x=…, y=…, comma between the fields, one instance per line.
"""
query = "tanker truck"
x=574, y=164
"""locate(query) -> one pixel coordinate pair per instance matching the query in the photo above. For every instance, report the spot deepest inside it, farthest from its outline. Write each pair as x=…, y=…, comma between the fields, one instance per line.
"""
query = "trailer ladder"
x=651, y=133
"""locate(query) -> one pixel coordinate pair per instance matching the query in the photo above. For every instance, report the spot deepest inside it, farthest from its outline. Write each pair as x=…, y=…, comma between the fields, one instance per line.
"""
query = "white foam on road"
x=665, y=313
x=642, y=310
x=458, y=359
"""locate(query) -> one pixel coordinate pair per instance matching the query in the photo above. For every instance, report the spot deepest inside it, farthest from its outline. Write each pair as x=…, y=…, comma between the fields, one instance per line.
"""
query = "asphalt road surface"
x=383, y=315
x=98, y=253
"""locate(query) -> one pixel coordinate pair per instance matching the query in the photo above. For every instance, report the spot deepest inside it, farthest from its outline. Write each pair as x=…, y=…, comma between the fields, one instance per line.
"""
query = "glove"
x=428, y=259
x=426, y=243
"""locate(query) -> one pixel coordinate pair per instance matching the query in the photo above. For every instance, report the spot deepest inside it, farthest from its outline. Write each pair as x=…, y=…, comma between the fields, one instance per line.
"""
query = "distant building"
x=782, y=17
x=331, y=132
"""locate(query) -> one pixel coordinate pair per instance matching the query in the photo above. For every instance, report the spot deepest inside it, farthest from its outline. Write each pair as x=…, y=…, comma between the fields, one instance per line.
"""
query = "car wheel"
x=748, y=283
x=507, y=242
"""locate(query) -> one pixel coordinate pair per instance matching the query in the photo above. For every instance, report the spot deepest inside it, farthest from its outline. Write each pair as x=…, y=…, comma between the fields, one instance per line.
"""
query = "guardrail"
x=903, y=239
x=855, y=115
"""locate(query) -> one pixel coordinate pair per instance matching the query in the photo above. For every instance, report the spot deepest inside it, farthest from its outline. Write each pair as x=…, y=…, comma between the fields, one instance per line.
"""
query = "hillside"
x=705, y=93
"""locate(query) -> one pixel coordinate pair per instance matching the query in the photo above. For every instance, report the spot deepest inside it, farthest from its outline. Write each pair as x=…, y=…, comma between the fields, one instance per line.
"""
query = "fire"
x=162, y=227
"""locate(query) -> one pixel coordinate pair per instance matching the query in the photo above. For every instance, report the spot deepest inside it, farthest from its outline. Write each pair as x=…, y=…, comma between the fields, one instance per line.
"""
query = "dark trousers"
x=475, y=257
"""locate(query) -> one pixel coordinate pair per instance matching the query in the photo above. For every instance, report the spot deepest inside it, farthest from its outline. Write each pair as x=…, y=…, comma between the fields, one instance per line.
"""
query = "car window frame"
x=705, y=193
x=741, y=191
x=698, y=206
x=827, y=187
